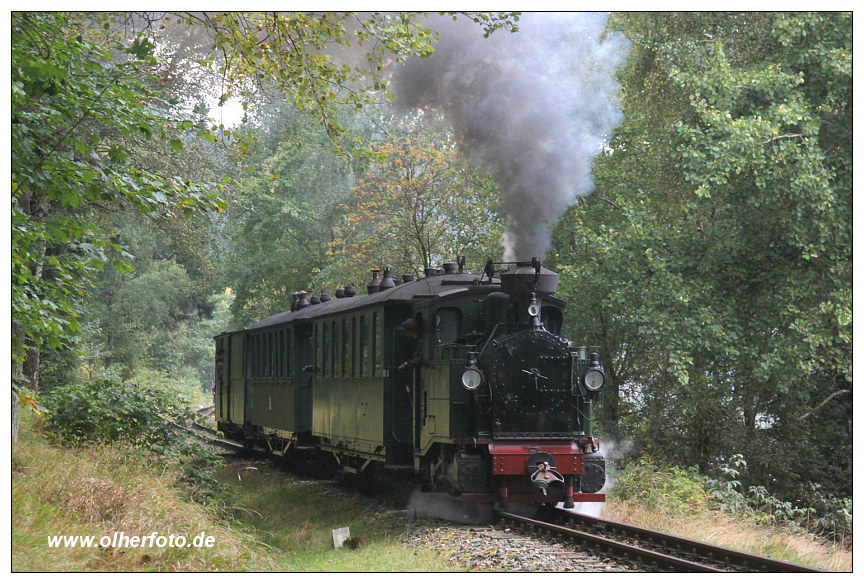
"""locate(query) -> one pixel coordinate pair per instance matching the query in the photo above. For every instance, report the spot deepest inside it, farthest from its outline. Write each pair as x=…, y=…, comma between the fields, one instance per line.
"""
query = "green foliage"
x=655, y=486
x=823, y=515
x=82, y=105
x=713, y=261
x=149, y=417
x=280, y=224
x=417, y=206
x=322, y=62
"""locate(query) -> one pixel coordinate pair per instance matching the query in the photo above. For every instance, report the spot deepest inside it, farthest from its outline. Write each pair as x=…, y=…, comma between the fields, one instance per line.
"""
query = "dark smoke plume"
x=534, y=107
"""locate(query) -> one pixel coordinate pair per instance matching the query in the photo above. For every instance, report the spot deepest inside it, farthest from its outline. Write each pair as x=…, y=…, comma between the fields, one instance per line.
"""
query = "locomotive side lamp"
x=594, y=377
x=472, y=377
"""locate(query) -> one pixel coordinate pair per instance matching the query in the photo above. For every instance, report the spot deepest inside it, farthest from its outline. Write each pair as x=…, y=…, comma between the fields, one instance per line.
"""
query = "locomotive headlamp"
x=594, y=378
x=472, y=377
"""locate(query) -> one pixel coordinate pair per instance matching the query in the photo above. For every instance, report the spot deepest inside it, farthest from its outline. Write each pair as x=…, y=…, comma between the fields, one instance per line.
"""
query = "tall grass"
x=93, y=490
x=296, y=517
x=263, y=520
x=680, y=501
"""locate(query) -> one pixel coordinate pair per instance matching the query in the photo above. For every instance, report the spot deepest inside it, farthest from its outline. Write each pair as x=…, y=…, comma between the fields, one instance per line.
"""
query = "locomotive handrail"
x=489, y=340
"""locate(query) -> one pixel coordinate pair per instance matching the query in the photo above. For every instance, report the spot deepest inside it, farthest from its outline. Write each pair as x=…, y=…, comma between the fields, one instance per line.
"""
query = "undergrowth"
x=263, y=520
x=722, y=511
x=147, y=419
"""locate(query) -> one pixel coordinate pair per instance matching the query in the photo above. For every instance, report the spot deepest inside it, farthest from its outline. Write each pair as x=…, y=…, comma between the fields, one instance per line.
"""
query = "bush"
x=678, y=491
x=823, y=515
x=143, y=417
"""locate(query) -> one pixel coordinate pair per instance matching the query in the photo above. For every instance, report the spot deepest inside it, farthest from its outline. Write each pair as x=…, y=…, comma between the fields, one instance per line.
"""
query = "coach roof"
x=429, y=287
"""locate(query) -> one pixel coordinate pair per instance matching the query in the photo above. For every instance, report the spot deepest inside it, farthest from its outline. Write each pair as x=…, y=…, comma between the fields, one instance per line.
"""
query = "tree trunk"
x=15, y=409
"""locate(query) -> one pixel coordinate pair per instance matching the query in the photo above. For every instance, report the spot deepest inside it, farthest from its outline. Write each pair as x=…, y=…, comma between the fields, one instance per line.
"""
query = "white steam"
x=534, y=107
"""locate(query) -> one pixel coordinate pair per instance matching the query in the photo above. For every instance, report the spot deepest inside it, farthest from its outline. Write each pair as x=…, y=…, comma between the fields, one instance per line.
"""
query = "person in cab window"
x=414, y=330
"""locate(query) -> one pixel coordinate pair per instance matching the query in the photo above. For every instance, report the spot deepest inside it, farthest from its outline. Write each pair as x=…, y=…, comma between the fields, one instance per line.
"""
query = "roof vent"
x=326, y=297
x=375, y=284
x=386, y=280
x=407, y=278
x=450, y=268
x=350, y=290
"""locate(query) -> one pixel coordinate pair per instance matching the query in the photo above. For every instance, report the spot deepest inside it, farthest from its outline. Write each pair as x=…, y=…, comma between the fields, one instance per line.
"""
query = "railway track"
x=210, y=434
x=601, y=545
x=648, y=549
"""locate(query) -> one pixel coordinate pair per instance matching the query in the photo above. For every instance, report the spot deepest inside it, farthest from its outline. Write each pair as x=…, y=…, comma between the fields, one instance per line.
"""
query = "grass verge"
x=268, y=521
x=676, y=501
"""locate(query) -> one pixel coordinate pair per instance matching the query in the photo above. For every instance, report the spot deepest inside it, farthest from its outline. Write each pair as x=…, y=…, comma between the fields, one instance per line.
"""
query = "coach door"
x=220, y=378
x=304, y=371
x=237, y=387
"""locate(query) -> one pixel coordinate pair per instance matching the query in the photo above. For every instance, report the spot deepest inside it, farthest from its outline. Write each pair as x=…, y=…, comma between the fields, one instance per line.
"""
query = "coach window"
x=272, y=336
x=344, y=350
x=364, y=347
x=448, y=321
x=268, y=354
x=376, y=367
x=259, y=358
x=256, y=356
x=325, y=349
x=250, y=351
x=354, y=346
x=268, y=339
x=289, y=348
x=316, y=343
x=280, y=353
x=333, y=346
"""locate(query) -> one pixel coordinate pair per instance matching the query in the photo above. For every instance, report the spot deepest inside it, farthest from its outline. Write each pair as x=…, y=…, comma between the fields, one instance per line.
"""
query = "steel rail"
x=647, y=555
x=716, y=552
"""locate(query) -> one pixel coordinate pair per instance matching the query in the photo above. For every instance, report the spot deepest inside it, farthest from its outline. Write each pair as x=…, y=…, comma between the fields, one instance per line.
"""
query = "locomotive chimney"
x=529, y=277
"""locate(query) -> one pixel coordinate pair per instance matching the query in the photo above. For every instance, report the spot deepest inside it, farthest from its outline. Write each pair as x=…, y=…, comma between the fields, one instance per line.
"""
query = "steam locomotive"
x=462, y=380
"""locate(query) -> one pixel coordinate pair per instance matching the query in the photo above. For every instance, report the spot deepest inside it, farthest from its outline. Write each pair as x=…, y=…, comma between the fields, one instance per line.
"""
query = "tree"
x=81, y=95
x=280, y=225
x=415, y=208
x=721, y=231
x=322, y=62
x=76, y=108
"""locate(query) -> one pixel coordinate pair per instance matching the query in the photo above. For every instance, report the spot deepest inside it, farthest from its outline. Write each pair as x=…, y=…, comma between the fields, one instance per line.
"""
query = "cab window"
x=448, y=323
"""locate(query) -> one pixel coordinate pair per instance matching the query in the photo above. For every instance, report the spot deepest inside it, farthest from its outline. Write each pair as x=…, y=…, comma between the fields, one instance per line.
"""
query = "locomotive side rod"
x=622, y=548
